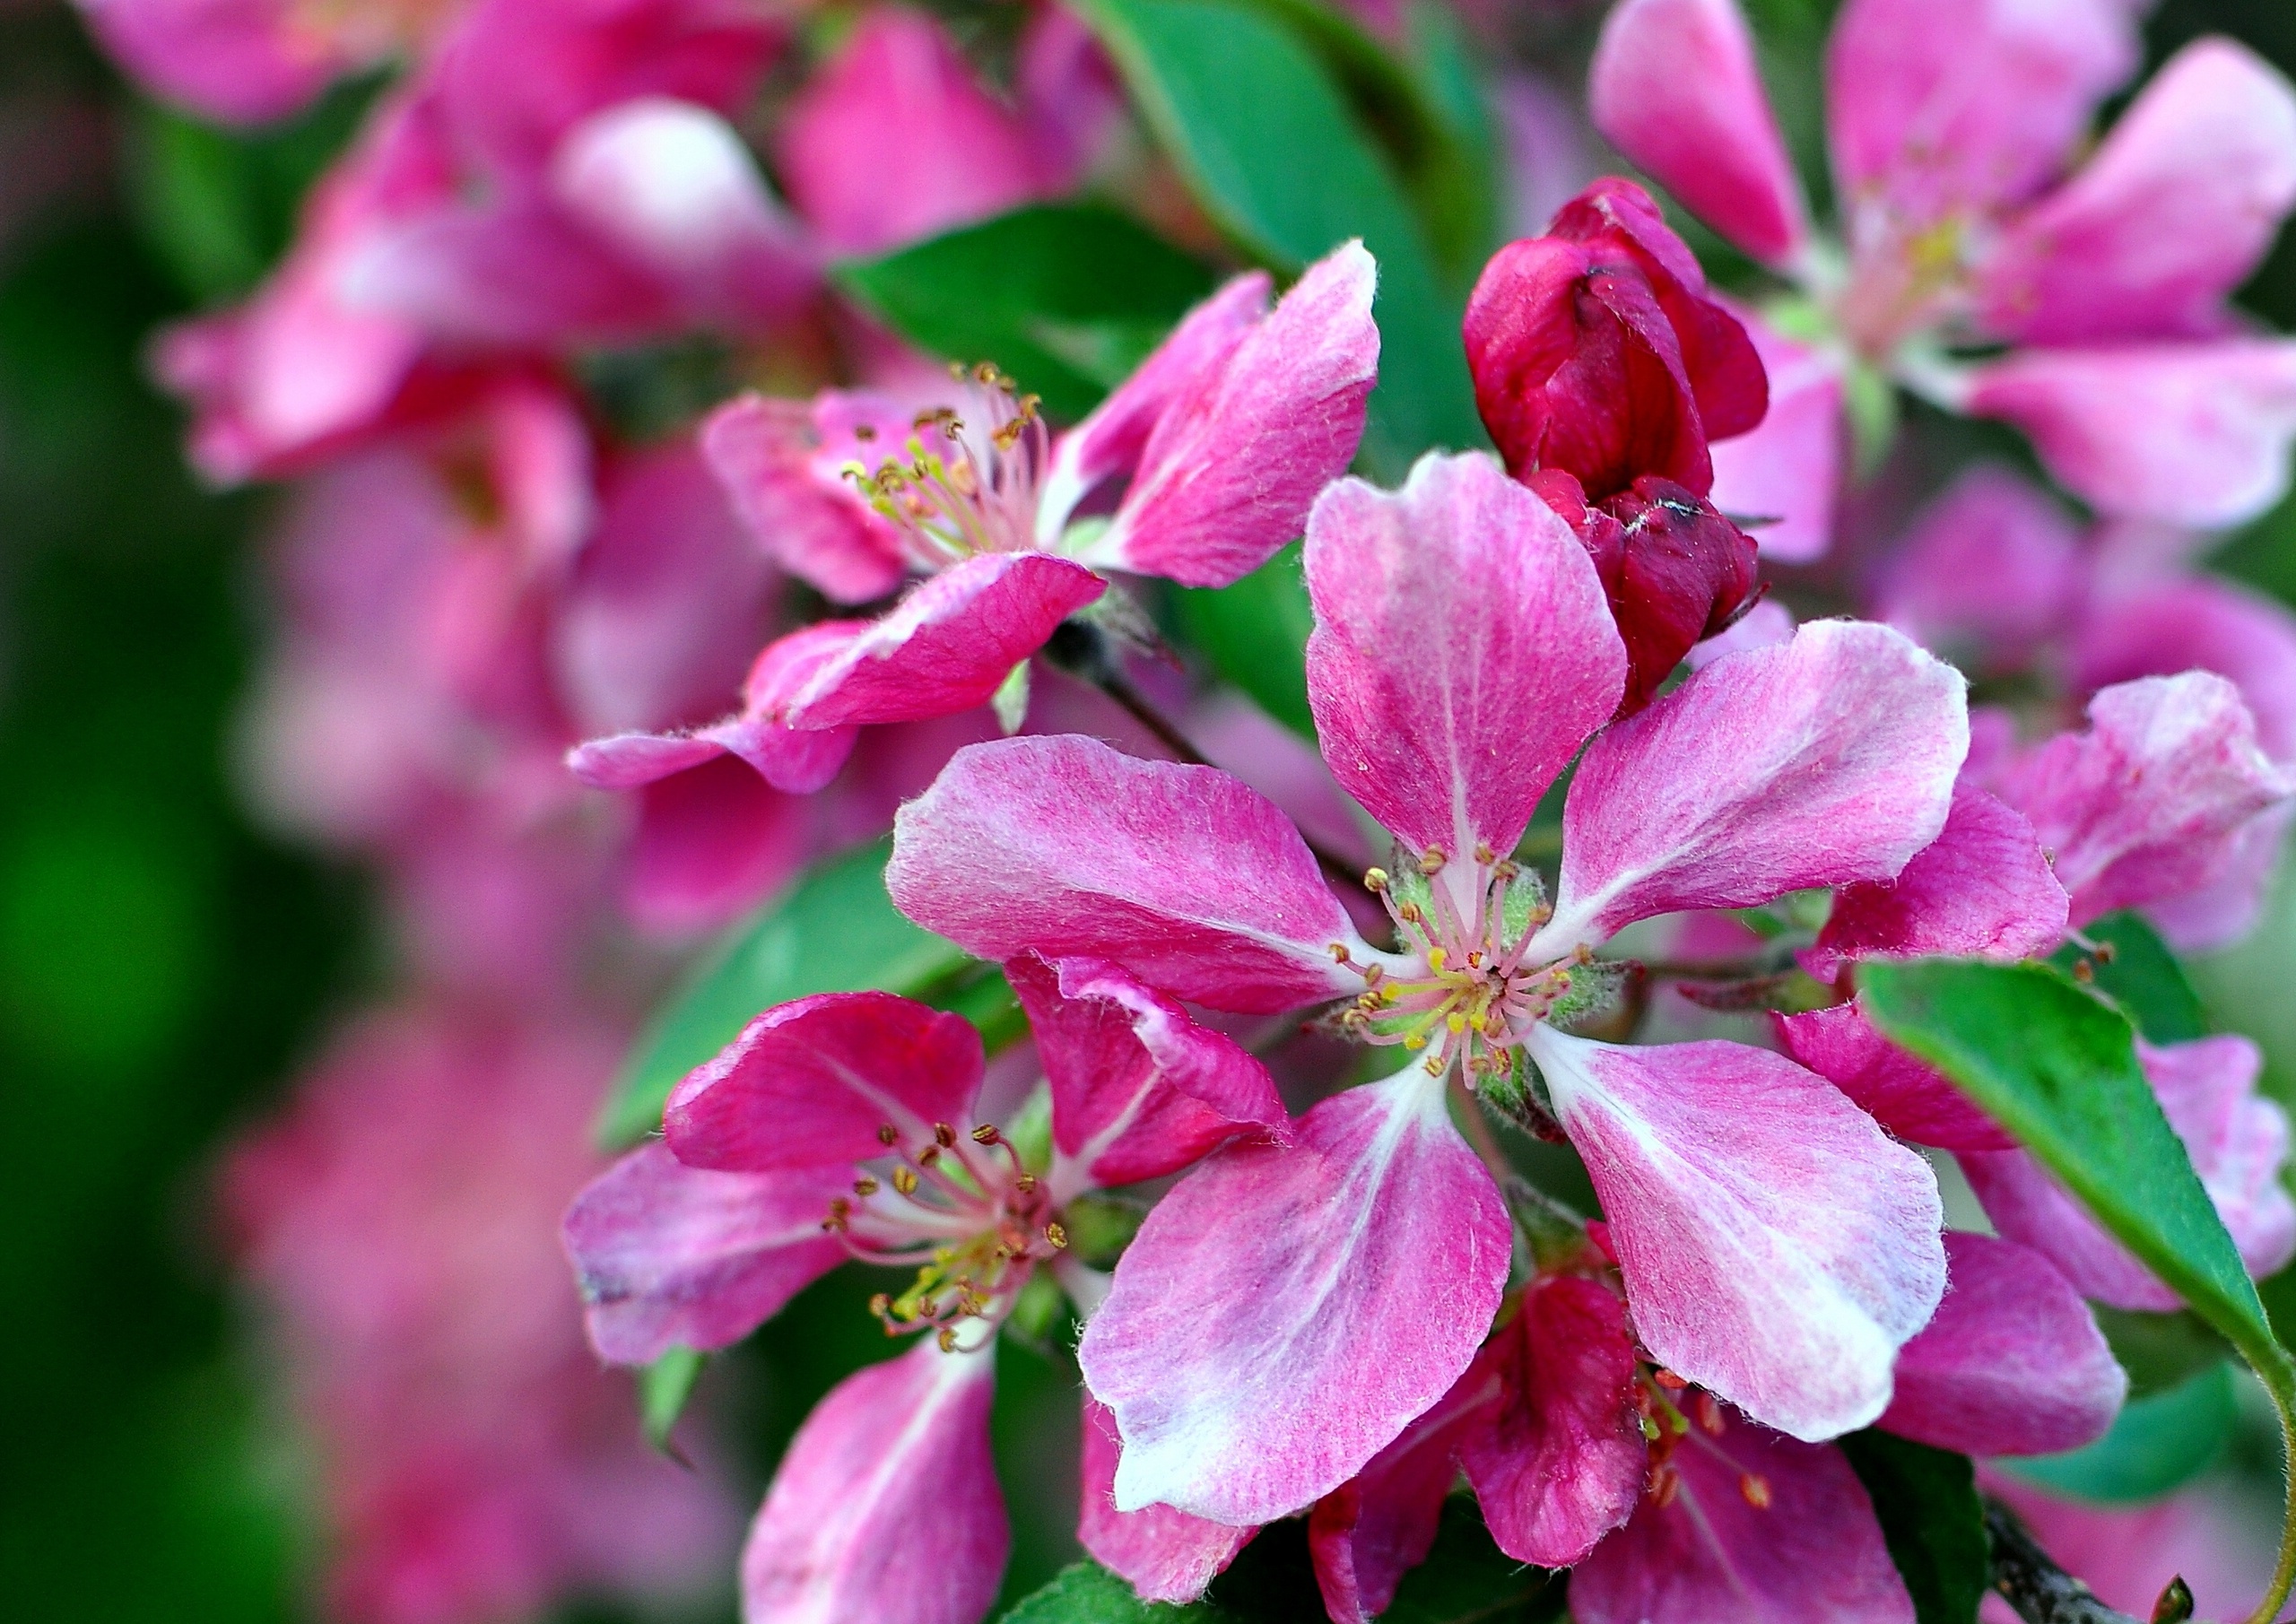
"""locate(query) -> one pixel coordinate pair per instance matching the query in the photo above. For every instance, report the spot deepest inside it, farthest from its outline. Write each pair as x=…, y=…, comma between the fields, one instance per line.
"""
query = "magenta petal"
x=1180, y=874
x=2013, y=1363
x=948, y=644
x=1902, y=1094
x=668, y=1254
x=1990, y=571
x=1981, y=889
x=2174, y=211
x=763, y=452
x=1673, y=86
x=886, y=1507
x=711, y=844
x=1787, y=469
x=1462, y=650
x=1138, y=1088
x=1778, y=1246
x=1165, y=1555
x=2194, y=434
x=1285, y=1312
x=1822, y=761
x=1813, y=1554
x=816, y=1081
x=239, y=61
x=1370, y=1530
x=2158, y=625
x=1559, y=1462
x=1226, y=475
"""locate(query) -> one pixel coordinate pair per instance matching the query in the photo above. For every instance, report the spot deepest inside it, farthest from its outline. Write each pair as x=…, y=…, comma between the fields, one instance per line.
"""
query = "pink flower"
x=1224, y=434
x=1955, y=132
x=248, y=61
x=846, y=1125
x=1284, y=1315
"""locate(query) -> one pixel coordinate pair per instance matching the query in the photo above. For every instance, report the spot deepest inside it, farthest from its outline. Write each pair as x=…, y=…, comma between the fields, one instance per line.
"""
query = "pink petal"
x=1767, y=624
x=1778, y=1246
x=816, y=1081
x=672, y=1255
x=1787, y=469
x=2228, y=908
x=1228, y=470
x=1285, y=1312
x=1165, y=1555
x=2175, y=210
x=765, y=452
x=1942, y=106
x=1138, y=1088
x=1813, y=1554
x=1370, y=1530
x=1905, y=1096
x=1673, y=86
x=1990, y=571
x=886, y=1507
x=947, y=645
x=239, y=61
x=2162, y=625
x=1559, y=1462
x=1982, y=890
x=1180, y=874
x=2196, y=434
x=1462, y=650
x=1827, y=761
x=2013, y=1364
x=711, y=844
x=2153, y=802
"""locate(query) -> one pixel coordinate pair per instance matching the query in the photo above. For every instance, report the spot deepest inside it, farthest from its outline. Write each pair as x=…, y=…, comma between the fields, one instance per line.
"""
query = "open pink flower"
x=1969, y=218
x=1282, y=1316
x=846, y=1125
x=1225, y=434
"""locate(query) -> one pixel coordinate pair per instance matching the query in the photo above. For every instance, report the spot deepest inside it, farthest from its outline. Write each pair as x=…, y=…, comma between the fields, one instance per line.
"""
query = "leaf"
x=836, y=931
x=1255, y=632
x=1267, y=144
x=2156, y=1444
x=1067, y=300
x=2141, y=975
x=1925, y=1500
x=663, y=1388
x=1466, y=1579
x=1088, y=1594
x=2159, y=1351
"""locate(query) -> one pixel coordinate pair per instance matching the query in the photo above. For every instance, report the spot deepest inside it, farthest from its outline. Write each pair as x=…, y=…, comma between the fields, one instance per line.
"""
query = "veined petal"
x=1778, y=1246
x=1285, y=1312
x=886, y=1507
x=1138, y=1088
x=1558, y=1462
x=1911, y=1099
x=1233, y=464
x=1809, y=1552
x=1673, y=86
x=671, y=1255
x=1165, y=1555
x=2013, y=1364
x=1462, y=650
x=763, y=453
x=1788, y=468
x=1822, y=761
x=1181, y=874
x=813, y=1083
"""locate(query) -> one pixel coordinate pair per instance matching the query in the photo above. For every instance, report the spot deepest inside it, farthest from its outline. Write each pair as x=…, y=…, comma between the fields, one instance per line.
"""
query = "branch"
x=2043, y=1593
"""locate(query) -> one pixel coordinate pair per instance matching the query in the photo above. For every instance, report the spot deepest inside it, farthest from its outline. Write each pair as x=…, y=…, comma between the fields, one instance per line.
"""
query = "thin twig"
x=2032, y=1584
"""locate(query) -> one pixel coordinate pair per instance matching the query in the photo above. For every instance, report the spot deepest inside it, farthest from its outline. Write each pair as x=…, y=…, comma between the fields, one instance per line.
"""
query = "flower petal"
x=1673, y=86
x=886, y=1507
x=1165, y=1555
x=1810, y=1553
x=1180, y=874
x=764, y=452
x=1989, y=571
x=1138, y=1088
x=1905, y=1096
x=1822, y=762
x=712, y=843
x=2160, y=625
x=1462, y=652
x=1230, y=469
x=1778, y=1246
x=668, y=1254
x=1285, y=1312
x=1559, y=1461
x=1788, y=468
x=1370, y=1530
x=816, y=1081
x=2013, y=1364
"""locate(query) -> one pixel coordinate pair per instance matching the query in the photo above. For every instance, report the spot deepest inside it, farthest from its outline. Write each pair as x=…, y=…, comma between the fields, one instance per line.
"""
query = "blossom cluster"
x=1625, y=767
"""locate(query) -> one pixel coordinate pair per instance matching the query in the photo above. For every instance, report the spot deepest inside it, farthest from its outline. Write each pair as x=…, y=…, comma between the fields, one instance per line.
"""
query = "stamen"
x=1755, y=1488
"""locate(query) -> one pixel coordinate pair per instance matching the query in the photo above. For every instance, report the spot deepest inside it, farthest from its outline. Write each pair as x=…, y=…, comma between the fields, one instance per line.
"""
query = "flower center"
x=964, y=1213
x=963, y=483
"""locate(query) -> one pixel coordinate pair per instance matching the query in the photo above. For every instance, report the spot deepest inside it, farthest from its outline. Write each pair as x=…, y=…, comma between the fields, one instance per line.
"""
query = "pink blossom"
x=248, y=61
x=1462, y=653
x=1969, y=219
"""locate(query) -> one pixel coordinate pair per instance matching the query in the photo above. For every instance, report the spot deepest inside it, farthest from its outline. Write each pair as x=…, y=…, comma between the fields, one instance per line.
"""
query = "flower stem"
x=2029, y=1580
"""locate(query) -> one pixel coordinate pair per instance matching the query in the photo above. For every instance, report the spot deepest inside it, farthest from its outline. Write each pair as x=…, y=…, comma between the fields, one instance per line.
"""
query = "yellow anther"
x=986, y=1135
x=1057, y=1235
x=1755, y=1489
x=1484, y=855
x=865, y=1185
x=1439, y=960
x=1372, y=973
x=888, y=1136
x=1432, y=859
x=927, y=1157
x=1026, y=1184
x=1375, y=880
x=904, y=1181
x=947, y=1339
x=944, y=1134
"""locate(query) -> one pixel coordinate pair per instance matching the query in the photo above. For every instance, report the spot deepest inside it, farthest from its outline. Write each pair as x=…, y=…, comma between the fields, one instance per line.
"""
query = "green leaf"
x=1269, y=146
x=2160, y=1350
x=1925, y=1500
x=2156, y=1444
x=1089, y=1593
x=2140, y=974
x=1066, y=299
x=1255, y=632
x=836, y=931
x=663, y=1388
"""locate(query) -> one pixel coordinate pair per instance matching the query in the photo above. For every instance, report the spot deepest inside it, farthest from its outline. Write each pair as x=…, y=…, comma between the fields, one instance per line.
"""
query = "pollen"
x=1755, y=1489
